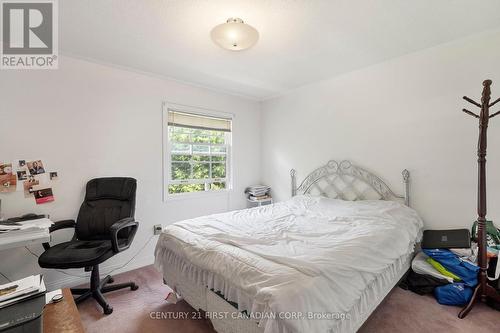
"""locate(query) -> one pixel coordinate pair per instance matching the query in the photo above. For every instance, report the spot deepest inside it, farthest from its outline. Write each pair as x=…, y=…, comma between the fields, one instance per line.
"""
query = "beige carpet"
x=402, y=311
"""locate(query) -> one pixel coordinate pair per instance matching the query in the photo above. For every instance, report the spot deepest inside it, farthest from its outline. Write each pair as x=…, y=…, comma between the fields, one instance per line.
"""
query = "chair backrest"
x=107, y=200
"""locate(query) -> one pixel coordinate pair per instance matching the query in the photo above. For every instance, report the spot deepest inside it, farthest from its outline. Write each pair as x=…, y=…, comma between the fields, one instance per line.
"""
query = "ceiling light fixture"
x=234, y=35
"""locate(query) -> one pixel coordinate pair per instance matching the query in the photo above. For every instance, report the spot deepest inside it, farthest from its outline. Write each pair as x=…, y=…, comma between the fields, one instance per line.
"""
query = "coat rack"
x=483, y=291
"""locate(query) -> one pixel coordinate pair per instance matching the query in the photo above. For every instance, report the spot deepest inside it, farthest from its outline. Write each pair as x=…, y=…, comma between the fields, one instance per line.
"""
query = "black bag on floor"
x=446, y=239
x=421, y=283
x=494, y=283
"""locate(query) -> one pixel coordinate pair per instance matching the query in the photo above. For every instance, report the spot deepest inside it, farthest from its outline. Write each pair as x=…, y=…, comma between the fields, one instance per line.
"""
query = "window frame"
x=166, y=148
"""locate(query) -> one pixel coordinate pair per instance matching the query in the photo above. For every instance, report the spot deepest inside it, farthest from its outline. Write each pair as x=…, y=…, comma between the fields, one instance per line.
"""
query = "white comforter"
x=306, y=255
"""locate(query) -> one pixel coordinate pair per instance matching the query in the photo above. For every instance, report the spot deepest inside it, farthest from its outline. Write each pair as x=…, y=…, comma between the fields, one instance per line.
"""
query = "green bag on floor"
x=492, y=234
x=492, y=241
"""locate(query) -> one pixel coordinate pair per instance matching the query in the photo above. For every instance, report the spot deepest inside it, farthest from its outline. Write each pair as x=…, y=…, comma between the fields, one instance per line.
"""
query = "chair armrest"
x=64, y=224
x=122, y=224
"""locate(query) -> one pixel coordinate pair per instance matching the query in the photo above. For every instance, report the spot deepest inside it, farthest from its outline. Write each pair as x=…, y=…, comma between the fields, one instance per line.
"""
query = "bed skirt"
x=195, y=286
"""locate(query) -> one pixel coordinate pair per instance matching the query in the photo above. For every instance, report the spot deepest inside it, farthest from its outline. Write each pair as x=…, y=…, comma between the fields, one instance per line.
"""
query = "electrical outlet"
x=157, y=228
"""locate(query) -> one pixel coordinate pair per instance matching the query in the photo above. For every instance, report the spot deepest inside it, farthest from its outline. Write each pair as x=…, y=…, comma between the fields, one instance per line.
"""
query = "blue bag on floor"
x=465, y=270
x=453, y=294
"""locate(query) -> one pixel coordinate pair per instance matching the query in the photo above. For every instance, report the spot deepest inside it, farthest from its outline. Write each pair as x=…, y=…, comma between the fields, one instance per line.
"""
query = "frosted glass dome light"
x=234, y=35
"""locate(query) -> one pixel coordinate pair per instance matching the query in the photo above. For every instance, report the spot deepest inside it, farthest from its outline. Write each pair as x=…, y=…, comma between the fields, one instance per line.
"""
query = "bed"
x=319, y=262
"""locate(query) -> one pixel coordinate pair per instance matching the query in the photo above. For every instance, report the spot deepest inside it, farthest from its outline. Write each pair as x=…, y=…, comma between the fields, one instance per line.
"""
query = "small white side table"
x=258, y=203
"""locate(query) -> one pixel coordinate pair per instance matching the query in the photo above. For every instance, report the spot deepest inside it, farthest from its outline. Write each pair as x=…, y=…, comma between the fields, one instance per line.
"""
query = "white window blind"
x=182, y=119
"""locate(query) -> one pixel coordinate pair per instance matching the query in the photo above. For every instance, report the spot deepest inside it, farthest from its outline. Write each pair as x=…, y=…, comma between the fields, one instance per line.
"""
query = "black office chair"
x=105, y=226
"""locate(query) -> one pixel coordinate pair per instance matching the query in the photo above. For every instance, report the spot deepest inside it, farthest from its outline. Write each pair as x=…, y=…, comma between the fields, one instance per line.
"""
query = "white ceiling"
x=301, y=41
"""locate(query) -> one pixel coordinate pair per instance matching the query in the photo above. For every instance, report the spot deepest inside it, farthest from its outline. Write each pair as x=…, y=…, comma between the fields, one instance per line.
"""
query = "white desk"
x=21, y=238
x=12, y=240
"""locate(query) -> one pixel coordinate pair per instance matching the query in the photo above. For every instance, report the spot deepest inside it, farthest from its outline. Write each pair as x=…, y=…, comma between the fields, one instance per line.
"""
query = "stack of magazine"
x=258, y=192
x=12, y=231
x=14, y=226
x=18, y=291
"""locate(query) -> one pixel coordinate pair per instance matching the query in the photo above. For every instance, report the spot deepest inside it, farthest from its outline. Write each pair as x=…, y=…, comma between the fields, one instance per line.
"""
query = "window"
x=198, y=152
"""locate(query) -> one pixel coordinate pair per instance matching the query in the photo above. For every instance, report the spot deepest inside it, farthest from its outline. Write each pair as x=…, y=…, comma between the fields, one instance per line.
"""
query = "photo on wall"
x=43, y=195
x=28, y=187
x=8, y=180
x=35, y=167
x=22, y=175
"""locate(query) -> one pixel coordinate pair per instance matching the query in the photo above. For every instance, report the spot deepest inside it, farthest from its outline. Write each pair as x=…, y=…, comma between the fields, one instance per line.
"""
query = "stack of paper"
x=9, y=226
x=258, y=192
x=16, y=291
x=25, y=226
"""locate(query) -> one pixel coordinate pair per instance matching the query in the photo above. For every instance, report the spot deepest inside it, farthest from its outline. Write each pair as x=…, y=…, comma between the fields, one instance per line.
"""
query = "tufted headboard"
x=346, y=181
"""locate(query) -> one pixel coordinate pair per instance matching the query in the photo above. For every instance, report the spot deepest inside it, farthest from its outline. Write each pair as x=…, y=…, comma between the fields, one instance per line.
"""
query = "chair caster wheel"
x=111, y=280
x=134, y=287
x=108, y=310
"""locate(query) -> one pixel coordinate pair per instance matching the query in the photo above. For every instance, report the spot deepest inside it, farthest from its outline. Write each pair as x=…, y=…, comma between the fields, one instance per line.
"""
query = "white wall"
x=88, y=120
x=404, y=113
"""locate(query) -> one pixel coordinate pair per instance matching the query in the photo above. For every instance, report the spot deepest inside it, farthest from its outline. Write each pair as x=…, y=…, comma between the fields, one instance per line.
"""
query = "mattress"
x=316, y=261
